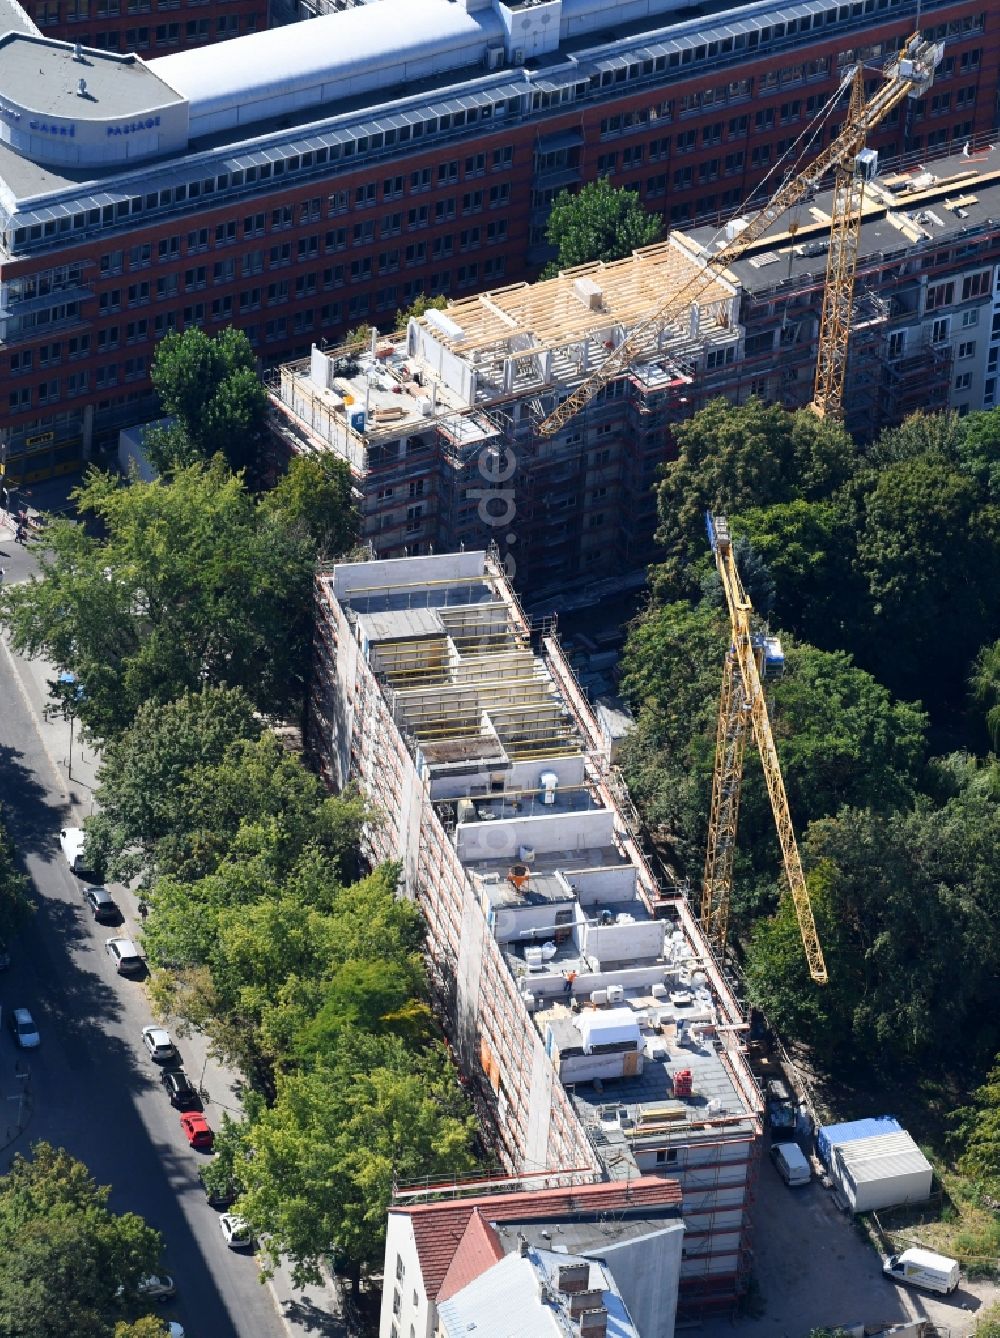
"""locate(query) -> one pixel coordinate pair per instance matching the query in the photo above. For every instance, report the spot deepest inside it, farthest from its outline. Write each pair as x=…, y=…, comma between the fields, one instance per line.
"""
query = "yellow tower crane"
x=751, y=658
x=911, y=74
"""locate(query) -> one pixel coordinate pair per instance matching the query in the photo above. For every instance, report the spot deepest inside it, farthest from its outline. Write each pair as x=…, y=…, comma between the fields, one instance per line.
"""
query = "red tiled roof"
x=439, y=1228
x=478, y=1250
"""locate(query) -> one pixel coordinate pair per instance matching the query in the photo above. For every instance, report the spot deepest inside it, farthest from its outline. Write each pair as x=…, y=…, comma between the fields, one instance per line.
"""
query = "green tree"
x=979, y=1125
x=926, y=550
x=672, y=671
x=731, y=458
x=140, y=795
x=319, y=1166
x=15, y=906
x=67, y=1263
x=599, y=222
x=210, y=387
x=314, y=498
x=190, y=582
x=841, y=738
x=420, y=304
x=906, y=905
x=147, y=1326
x=809, y=551
x=985, y=687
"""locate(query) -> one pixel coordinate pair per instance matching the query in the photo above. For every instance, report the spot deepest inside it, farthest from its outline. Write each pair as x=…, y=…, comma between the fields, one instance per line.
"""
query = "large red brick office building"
x=146, y=26
x=301, y=181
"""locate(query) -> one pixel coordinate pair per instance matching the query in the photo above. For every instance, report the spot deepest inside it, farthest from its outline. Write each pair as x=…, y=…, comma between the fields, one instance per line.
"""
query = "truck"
x=923, y=1268
x=780, y=1111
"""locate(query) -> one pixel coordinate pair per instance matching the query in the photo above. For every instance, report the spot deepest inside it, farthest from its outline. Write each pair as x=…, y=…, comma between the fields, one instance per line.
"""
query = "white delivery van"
x=792, y=1163
x=72, y=841
x=923, y=1268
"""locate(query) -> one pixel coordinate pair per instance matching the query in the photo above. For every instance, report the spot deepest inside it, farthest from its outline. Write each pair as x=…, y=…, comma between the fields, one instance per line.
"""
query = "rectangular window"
x=974, y=285
x=967, y=350
x=963, y=381
x=940, y=295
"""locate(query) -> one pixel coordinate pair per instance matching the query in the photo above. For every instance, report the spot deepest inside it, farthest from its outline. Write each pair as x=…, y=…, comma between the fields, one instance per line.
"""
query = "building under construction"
x=926, y=327
x=601, y=1040
x=440, y=426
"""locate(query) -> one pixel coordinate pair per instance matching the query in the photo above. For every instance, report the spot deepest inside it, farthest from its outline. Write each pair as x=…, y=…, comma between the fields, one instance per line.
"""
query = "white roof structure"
x=883, y=1157
x=325, y=60
x=608, y=1026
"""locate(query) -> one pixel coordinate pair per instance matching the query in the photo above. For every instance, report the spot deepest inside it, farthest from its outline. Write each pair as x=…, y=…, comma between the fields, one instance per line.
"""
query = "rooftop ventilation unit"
x=494, y=57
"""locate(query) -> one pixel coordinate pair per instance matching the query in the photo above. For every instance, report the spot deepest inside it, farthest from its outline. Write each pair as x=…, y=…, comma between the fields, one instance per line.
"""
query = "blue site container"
x=830, y=1136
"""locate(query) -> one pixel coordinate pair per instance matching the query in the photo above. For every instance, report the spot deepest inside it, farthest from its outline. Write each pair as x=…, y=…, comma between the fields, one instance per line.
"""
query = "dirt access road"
x=815, y=1269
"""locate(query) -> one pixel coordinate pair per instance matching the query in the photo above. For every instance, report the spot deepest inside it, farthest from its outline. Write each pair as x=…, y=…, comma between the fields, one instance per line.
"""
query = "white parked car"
x=235, y=1231
x=157, y=1041
x=125, y=955
x=23, y=1029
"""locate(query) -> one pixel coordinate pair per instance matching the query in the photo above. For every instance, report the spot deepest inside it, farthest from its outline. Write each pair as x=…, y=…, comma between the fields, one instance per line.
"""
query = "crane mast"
x=743, y=706
x=910, y=76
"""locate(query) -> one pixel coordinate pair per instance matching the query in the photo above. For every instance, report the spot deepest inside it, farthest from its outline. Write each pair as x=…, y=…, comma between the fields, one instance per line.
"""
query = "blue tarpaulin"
x=832, y=1135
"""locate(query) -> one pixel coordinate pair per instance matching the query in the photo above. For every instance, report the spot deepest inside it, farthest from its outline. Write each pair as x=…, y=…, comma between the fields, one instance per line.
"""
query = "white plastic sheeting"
x=607, y=1026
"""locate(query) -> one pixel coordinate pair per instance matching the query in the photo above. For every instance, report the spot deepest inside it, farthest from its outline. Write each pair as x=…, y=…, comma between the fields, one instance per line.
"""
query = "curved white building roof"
x=327, y=59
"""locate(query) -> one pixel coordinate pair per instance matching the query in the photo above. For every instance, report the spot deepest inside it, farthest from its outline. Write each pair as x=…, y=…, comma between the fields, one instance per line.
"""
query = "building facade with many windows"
x=301, y=182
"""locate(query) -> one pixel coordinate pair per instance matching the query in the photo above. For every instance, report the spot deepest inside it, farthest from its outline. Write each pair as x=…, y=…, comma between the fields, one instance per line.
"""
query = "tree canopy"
x=731, y=458
x=14, y=904
x=210, y=387
x=189, y=581
x=875, y=567
x=313, y=498
x=599, y=222
x=68, y=1265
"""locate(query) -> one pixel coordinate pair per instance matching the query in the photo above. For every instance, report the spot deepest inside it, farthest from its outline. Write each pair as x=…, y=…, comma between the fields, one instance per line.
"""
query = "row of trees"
x=184, y=609
x=187, y=580
x=307, y=977
x=876, y=569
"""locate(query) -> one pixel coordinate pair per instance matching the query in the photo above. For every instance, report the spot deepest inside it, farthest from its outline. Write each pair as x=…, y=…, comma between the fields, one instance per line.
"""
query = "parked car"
x=178, y=1087
x=103, y=904
x=23, y=1029
x=219, y=1198
x=236, y=1231
x=157, y=1041
x=125, y=955
x=72, y=843
x=157, y=1287
x=153, y=1287
x=197, y=1130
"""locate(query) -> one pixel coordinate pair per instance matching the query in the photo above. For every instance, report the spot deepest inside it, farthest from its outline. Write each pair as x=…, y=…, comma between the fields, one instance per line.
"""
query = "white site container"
x=882, y=1172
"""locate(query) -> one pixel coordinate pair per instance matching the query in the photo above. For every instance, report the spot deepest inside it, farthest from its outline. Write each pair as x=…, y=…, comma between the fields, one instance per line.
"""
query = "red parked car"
x=197, y=1130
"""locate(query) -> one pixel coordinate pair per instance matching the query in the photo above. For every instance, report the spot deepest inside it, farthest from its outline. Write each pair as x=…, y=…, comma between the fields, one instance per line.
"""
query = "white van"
x=792, y=1163
x=923, y=1268
x=72, y=841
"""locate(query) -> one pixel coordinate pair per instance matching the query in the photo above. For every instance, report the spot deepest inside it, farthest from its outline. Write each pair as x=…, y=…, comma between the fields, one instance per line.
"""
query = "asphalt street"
x=91, y=1087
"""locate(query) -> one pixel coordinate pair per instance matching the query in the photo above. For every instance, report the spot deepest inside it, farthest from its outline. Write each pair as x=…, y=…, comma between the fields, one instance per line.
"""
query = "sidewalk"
x=310, y=1312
